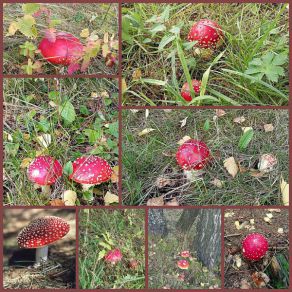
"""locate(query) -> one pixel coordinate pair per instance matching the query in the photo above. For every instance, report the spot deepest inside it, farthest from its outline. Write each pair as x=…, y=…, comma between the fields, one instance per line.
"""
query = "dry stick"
x=230, y=235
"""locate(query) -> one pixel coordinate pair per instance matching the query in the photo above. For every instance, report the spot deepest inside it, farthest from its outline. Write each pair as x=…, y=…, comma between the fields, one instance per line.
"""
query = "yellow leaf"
x=137, y=74
x=105, y=38
x=145, y=131
x=13, y=28
x=124, y=86
x=84, y=33
x=110, y=198
x=231, y=166
x=284, y=187
x=183, y=140
x=26, y=136
x=44, y=140
x=25, y=162
x=69, y=198
x=115, y=175
x=105, y=50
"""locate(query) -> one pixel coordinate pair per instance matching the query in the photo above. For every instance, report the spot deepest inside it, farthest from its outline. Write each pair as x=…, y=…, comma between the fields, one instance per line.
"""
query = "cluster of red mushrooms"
x=207, y=34
x=87, y=171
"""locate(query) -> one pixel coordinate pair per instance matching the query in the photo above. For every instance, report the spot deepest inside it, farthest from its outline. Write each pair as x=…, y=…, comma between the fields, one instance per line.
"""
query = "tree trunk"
x=187, y=219
x=157, y=223
x=207, y=241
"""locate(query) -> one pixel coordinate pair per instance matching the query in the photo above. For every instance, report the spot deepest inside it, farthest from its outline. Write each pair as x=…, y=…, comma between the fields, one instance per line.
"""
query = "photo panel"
x=60, y=38
x=205, y=54
x=60, y=141
x=205, y=157
x=112, y=249
x=39, y=248
x=256, y=248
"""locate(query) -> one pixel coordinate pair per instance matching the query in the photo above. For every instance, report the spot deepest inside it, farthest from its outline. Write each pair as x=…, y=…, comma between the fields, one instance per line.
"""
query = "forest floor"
x=151, y=173
x=270, y=272
x=164, y=254
x=103, y=230
x=81, y=20
x=65, y=118
x=250, y=67
x=58, y=272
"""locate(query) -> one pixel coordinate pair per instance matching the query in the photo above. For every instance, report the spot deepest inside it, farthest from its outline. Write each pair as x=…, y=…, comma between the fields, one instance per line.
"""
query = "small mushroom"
x=254, y=246
x=113, y=256
x=192, y=155
x=185, y=91
x=185, y=254
x=64, y=50
x=90, y=171
x=44, y=171
x=207, y=32
x=183, y=264
x=40, y=233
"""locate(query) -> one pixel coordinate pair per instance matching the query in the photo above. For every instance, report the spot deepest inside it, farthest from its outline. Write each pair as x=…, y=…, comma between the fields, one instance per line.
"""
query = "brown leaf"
x=57, y=202
x=244, y=284
x=158, y=201
x=137, y=74
x=239, y=120
x=163, y=181
x=275, y=266
x=260, y=279
x=220, y=112
x=110, y=198
x=231, y=166
x=173, y=202
x=25, y=162
x=115, y=175
x=268, y=127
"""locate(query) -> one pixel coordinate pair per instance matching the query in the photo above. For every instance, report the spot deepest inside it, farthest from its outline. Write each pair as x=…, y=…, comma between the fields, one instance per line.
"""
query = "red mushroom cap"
x=66, y=49
x=193, y=154
x=113, y=256
x=91, y=170
x=206, y=32
x=185, y=90
x=44, y=170
x=183, y=264
x=254, y=246
x=42, y=231
x=185, y=254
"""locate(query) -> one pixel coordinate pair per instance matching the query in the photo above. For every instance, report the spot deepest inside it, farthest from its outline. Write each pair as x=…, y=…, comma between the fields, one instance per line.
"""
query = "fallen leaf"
x=284, y=187
x=137, y=74
x=244, y=284
x=124, y=86
x=245, y=129
x=84, y=33
x=183, y=122
x=228, y=214
x=163, y=181
x=238, y=261
x=275, y=266
x=134, y=111
x=267, y=163
x=268, y=128
x=13, y=28
x=158, y=201
x=145, y=131
x=217, y=183
x=146, y=113
x=220, y=112
x=270, y=215
x=183, y=140
x=115, y=174
x=267, y=219
x=280, y=230
x=173, y=202
x=260, y=279
x=167, y=110
x=44, y=140
x=239, y=120
x=69, y=198
x=25, y=162
x=231, y=166
x=110, y=198
x=57, y=202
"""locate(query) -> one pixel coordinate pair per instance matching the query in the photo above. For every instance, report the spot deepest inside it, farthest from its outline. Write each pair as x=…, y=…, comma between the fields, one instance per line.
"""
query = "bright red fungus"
x=193, y=154
x=254, y=246
x=113, y=256
x=183, y=264
x=66, y=49
x=185, y=254
x=44, y=170
x=91, y=170
x=185, y=90
x=207, y=32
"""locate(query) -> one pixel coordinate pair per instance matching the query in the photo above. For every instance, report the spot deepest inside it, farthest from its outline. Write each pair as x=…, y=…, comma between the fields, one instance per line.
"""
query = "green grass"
x=149, y=157
x=251, y=31
x=102, y=230
x=33, y=108
x=100, y=18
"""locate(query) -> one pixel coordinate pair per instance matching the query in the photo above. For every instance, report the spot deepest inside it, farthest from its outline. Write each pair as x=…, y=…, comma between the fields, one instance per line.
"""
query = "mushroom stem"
x=46, y=190
x=86, y=187
x=41, y=254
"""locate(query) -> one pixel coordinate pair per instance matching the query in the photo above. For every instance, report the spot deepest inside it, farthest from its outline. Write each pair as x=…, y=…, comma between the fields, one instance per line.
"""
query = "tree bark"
x=187, y=219
x=157, y=223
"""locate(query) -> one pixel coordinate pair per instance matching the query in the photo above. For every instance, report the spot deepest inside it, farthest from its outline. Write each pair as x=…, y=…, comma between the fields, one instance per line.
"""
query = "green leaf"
x=153, y=81
x=245, y=139
x=101, y=254
x=44, y=125
x=12, y=148
x=84, y=110
x=27, y=27
x=114, y=129
x=27, y=49
x=30, y=8
x=92, y=135
x=157, y=28
x=67, y=112
x=68, y=168
x=105, y=245
x=206, y=126
x=165, y=40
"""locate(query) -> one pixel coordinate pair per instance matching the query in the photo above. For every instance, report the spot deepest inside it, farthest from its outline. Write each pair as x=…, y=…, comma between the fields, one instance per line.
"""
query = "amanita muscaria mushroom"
x=113, y=256
x=207, y=32
x=185, y=254
x=185, y=90
x=183, y=264
x=64, y=50
x=44, y=171
x=254, y=246
x=192, y=155
x=90, y=171
x=41, y=232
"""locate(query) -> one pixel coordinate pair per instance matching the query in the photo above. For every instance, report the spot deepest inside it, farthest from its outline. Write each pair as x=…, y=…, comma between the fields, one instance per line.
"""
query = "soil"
x=19, y=272
x=272, y=271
